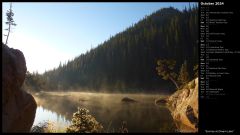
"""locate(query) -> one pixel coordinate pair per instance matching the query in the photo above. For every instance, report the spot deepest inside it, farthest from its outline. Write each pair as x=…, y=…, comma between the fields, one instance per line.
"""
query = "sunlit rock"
x=183, y=105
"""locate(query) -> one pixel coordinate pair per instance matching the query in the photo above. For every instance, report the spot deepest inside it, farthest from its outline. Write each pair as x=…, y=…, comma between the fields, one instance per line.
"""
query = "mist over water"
x=108, y=109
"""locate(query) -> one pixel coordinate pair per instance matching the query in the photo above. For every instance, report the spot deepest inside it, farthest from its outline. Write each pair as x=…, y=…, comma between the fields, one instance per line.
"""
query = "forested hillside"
x=127, y=61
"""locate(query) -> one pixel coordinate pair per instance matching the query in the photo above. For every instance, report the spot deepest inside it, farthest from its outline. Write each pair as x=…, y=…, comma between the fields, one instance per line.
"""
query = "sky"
x=50, y=33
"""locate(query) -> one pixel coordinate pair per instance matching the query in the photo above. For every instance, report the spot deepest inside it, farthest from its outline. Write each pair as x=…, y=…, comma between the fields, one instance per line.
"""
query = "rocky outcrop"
x=183, y=105
x=18, y=107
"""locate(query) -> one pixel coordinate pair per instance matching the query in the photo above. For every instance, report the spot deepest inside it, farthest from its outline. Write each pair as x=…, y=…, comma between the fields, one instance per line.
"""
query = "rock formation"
x=161, y=101
x=183, y=105
x=18, y=107
x=128, y=100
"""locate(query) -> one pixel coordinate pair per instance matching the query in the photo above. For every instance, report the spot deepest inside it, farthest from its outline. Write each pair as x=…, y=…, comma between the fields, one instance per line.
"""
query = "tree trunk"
x=8, y=33
x=9, y=25
x=174, y=82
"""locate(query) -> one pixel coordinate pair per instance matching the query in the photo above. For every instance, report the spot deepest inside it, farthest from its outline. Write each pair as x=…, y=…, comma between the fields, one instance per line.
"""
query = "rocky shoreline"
x=183, y=105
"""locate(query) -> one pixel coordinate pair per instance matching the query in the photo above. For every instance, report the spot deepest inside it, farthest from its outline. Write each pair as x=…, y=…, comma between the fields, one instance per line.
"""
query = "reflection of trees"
x=61, y=105
x=139, y=117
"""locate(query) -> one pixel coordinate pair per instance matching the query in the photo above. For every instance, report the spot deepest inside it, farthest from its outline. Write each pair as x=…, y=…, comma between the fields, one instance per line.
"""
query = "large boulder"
x=183, y=105
x=18, y=107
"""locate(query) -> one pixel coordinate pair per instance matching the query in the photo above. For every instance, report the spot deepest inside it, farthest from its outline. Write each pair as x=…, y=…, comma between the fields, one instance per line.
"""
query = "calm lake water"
x=43, y=115
x=108, y=109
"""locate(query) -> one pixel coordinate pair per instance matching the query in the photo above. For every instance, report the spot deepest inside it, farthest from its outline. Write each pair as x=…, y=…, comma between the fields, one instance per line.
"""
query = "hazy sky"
x=48, y=33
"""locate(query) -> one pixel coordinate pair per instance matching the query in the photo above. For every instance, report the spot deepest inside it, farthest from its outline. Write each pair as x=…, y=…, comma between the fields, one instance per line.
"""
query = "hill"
x=127, y=61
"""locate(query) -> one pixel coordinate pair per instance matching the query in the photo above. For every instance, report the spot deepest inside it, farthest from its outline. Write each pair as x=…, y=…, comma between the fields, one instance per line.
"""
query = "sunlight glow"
x=37, y=52
x=48, y=33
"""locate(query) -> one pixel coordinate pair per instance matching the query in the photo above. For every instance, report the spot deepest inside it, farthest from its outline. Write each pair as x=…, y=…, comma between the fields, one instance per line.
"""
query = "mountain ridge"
x=127, y=60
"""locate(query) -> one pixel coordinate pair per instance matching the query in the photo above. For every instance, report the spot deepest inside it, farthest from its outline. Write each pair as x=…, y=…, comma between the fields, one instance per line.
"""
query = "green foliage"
x=127, y=60
x=82, y=122
x=44, y=127
x=195, y=69
x=183, y=77
x=165, y=69
x=34, y=82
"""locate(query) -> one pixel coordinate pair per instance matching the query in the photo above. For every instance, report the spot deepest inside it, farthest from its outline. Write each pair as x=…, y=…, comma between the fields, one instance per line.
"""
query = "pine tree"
x=183, y=77
x=129, y=57
x=82, y=122
x=10, y=22
x=195, y=69
x=165, y=70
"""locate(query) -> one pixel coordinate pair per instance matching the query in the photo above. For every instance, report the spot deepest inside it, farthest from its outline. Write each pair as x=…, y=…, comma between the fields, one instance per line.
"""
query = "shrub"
x=82, y=122
x=44, y=127
x=123, y=128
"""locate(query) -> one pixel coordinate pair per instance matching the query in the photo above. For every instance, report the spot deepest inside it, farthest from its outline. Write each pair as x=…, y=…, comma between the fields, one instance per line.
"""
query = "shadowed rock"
x=18, y=107
x=191, y=117
x=161, y=101
x=128, y=100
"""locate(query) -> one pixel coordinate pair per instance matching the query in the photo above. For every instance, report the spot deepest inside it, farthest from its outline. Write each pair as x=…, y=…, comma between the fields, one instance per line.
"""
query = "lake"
x=107, y=108
x=43, y=115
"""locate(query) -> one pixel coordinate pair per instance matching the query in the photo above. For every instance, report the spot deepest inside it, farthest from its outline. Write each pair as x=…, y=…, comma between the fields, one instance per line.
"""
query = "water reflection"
x=59, y=120
x=142, y=116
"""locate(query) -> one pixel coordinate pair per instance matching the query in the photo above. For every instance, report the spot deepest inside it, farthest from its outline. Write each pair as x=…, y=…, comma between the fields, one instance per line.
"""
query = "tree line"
x=128, y=60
